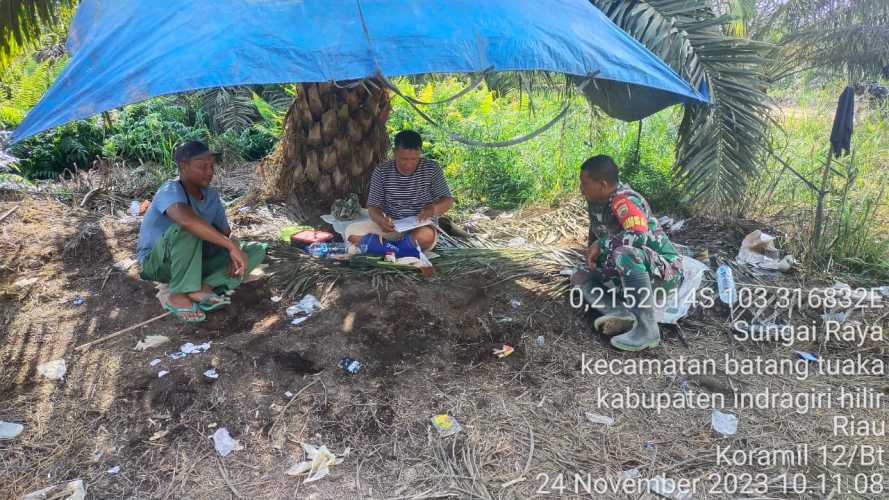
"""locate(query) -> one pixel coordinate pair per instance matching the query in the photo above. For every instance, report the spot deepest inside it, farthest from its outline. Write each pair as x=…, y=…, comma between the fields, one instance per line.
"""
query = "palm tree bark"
x=333, y=138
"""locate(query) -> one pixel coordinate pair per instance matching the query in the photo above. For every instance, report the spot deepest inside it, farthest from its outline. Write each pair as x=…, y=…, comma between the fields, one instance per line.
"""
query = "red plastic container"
x=306, y=238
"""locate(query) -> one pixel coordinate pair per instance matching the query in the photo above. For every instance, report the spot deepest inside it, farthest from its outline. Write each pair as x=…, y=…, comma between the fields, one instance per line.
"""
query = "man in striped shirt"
x=405, y=186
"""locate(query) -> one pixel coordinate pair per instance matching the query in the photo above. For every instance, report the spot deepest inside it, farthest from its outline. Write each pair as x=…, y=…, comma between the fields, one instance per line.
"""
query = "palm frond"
x=229, y=108
x=722, y=145
x=22, y=22
x=848, y=37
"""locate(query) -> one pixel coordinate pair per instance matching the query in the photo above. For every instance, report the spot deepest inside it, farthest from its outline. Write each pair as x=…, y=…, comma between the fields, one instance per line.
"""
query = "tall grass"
x=856, y=230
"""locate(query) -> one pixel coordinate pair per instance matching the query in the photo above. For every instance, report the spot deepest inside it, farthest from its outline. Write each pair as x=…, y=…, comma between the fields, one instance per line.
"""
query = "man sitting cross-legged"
x=184, y=240
x=405, y=186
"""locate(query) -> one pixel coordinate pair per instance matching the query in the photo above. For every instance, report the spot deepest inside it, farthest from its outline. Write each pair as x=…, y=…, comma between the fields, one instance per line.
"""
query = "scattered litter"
x=78, y=301
x=299, y=320
x=630, y=474
x=352, y=366
x=276, y=298
x=125, y=264
x=678, y=302
x=73, y=490
x=224, y=443
x=668, y=488
x=9, y=430
x=884, y=290
x=726, y=283
x=504, y=351
x=808, y=356
x=839, y=316
x=151, y=341
x=670, y=224
x=541, y=340
x=134, y=208
x=516, y=303
x=600, y=419
x=25, y=282
x=189, y=348
x=724, y=423
x=244, y=210
x=758, y=250
x=677, y=226
x=162, y=373
x=212, y=425
x=517, y=242
x=446, y=425
x=114, y=470
x=211, y=373
x=53, y=370
x=154, y=362
x=308, y=306
x=158, y=435
x=318, y=463
x=288, y=394
x=177, y=355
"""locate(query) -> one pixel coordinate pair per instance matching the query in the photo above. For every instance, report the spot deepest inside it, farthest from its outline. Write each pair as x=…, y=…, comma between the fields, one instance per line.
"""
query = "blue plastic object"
x=126, y=51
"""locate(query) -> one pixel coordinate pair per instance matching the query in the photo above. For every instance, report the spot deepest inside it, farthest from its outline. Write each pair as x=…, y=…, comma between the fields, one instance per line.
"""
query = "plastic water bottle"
x=726, y=283
x=318, y=250
x=330, y=250
x=134, y=208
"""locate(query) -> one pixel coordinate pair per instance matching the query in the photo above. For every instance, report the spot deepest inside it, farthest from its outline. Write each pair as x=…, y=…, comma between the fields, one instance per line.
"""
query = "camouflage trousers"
x=624, y=260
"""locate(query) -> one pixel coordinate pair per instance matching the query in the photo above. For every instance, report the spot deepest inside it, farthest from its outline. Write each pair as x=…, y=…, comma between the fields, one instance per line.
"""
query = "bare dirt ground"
x=426, y=350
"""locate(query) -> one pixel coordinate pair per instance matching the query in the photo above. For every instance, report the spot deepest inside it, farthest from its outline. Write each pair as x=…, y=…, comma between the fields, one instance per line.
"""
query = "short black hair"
x=408, y=139
x=601, y=168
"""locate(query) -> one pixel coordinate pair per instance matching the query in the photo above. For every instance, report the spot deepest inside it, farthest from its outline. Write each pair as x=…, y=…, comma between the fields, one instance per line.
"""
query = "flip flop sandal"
x=178, y=311
x=212, y=302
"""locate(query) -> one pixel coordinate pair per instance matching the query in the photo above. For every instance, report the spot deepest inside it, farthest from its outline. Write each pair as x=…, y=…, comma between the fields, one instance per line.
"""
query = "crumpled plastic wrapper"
x=758, y=250
x=318, y=462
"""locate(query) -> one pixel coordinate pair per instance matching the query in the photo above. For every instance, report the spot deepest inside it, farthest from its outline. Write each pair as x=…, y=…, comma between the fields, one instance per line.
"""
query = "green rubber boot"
x=646, y=332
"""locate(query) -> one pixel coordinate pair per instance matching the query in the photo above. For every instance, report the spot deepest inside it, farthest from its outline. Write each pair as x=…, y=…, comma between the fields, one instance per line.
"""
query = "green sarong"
x=179, y=258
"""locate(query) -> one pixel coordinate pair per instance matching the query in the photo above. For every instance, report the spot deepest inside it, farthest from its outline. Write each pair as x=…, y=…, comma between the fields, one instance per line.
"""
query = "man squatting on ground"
x=628, y=250
x=184, y=240
x=405, y=186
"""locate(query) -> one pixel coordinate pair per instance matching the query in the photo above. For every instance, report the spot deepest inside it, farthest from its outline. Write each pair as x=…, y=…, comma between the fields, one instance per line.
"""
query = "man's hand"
x=426, y=214
x=592, y=255
x=386, y=223
x=237, y=267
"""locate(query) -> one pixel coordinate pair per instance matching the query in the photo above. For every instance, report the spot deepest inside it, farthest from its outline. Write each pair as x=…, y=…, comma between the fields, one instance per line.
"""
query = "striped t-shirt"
x=405, y=195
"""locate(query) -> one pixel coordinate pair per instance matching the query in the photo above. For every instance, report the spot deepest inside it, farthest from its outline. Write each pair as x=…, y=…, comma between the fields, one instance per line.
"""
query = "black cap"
x=191, y=150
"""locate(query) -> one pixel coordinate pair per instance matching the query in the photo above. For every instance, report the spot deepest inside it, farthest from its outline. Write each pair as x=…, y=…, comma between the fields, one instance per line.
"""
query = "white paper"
x=724, y=423
x=224, y=443
x=151, y=341
x=600, y=419
x=409, y=223
x=9, y=430
x=53, y=370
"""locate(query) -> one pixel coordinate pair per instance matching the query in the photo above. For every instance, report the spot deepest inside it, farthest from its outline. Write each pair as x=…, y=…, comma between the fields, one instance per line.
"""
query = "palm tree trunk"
x=333, y=138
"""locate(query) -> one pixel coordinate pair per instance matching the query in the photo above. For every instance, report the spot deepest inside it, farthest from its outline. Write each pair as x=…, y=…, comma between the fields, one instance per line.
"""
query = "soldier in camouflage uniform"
x=628, y=251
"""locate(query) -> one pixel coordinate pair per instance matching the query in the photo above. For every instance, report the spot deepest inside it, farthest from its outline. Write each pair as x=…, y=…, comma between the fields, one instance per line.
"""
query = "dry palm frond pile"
x=537, y=247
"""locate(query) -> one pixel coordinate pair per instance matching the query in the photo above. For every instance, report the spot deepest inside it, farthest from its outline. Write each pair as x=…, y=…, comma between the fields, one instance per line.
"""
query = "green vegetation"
x=544, y=169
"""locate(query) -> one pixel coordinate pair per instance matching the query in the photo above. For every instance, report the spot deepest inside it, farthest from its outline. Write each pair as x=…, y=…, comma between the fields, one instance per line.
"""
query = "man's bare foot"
x=182, y=301
x=200, y=294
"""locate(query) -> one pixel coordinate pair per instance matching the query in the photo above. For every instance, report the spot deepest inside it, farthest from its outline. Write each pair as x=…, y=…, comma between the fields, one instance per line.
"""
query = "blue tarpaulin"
x=126, y=51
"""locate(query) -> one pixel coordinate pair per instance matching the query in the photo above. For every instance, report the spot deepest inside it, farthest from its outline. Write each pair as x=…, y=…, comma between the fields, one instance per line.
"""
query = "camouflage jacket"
x=627, y=220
